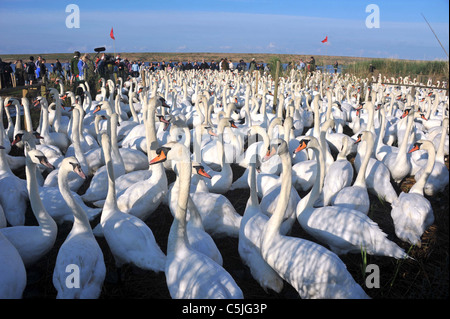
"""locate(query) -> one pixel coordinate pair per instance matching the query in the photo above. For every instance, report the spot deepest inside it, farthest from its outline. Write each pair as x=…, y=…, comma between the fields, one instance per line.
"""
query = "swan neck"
x=39, y=211
x=273, y=225
x=420, y=184
x=81, y=221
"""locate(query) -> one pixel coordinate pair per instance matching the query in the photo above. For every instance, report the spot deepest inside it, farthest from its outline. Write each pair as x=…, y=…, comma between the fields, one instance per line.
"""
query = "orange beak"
x=301, y=147
x=202, y=172
x=159, y=159
x=97, y=109
x=415, y=148
x=359, y=139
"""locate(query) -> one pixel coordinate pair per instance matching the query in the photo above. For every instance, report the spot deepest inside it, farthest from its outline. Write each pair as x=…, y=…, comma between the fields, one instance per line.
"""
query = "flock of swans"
x=118, y=144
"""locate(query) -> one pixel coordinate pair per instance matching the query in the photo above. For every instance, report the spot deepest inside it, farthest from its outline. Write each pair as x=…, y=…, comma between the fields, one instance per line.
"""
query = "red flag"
x=112, y=34
x=323, y=41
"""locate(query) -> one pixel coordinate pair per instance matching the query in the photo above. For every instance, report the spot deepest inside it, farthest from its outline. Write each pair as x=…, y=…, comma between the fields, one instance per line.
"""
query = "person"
x=81, y=65
x=30, y=71
x=204, y=65
x=101, y=66
x=43, y=71
x=3, y=82
x=371, y=68
x=252, y=65
x=302, y=65
x=74, y=66
x=121, y=69
x=213, y=65
x=231, y=65
x=135, y=69
x=19, y=72
x=224, y=64
x=336, y=65
x=58, y=68
x=311, y=64
x=242, y=66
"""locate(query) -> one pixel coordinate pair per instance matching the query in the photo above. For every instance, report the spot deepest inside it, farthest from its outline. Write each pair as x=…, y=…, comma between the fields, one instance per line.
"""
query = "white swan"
x=13, y=276
x=439, y=177
x=59, y=140
x=311, y=269
x=128, y=237
x=252, y=224
x=197, y=237
x=412, y=212
x=98, y=188
x=75, y=181
x=399, y=163
x=338, y=176
x=357, y=196
x=190, y=274
x=343, y=230
x=143, y=197
x=33, y=242
x=80, y=251
x=14, y=195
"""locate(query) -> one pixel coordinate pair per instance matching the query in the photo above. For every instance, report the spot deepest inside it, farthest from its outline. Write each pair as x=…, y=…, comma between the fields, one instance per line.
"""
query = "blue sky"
x=235, y=26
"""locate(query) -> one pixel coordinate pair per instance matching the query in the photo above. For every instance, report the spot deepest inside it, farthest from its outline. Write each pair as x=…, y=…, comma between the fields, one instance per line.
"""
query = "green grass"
x=422, y=70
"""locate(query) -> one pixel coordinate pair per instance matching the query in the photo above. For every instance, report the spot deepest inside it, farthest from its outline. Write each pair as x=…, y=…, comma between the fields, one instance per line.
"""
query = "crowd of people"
x=82, y=67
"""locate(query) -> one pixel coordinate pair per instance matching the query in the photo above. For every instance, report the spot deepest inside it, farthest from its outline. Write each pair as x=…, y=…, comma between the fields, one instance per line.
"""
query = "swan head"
x=422, y=145
x=37, y=157
x=278, y=146
x=307, y=142
x=200, y=170
x=71, y=164
x=174, y=151
x=364, y=136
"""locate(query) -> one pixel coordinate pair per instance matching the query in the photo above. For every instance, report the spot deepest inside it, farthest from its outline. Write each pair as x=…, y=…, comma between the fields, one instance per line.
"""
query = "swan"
x=378, y=176
x=13, y=275
x=59, y=140
x=219, y=217
x=220, y=181
x=411, y=212
x=197, y=237
x=356, y=196
x=399, y=163
x=80, y=248
x=252, y=224
x=439, y=177
x=33, y=242
x=310, y=268
x=60, y=123
x=190, y=274
x=75, y=181
x=98, y=187
x=128, y=237
x=339, y=175
x=327, y=223
x=143, y=197
x=14, y=195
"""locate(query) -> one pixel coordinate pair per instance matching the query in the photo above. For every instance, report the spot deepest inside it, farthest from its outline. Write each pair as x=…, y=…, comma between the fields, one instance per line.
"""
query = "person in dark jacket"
x=213, y=65
x=43, y=71
x=30, y=69
x=204, y=65
x=74, y=66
